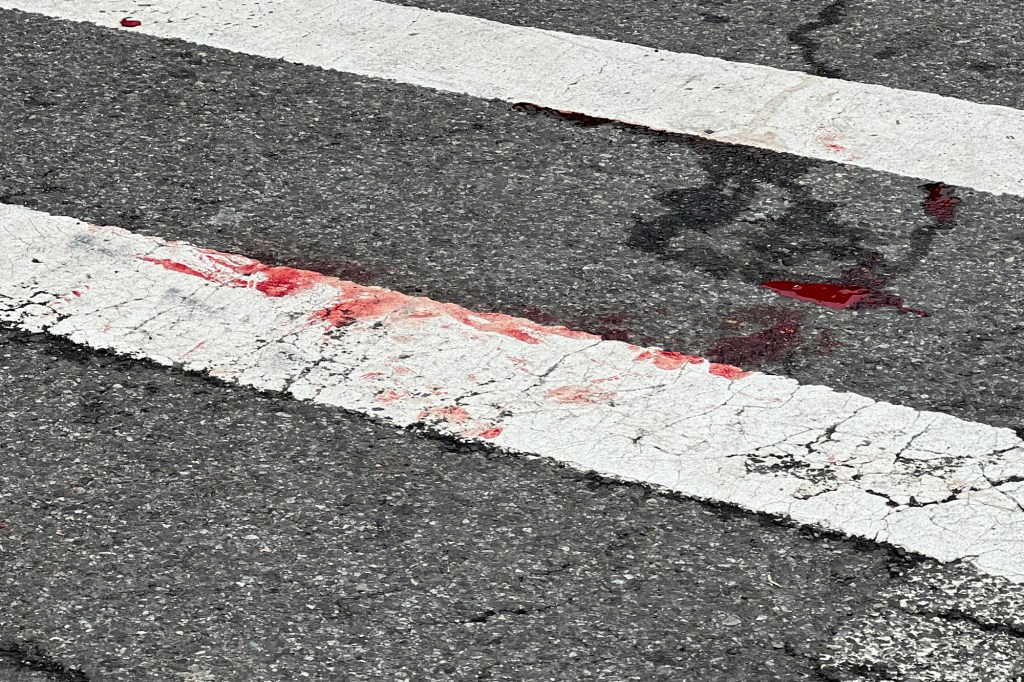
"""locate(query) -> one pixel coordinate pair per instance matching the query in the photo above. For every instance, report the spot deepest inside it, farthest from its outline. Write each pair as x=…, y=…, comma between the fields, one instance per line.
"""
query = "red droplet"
x=837, y=296
x=128, y=22
x=940, y=202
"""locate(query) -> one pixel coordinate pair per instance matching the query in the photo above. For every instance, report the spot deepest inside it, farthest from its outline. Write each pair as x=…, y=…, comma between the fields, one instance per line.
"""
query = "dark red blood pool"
x=940, y=202
x=837, y=296
x=128, y=22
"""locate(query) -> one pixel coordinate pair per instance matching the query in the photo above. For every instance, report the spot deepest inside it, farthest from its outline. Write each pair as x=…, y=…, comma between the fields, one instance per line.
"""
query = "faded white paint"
x=924, y=481
x=898, y=131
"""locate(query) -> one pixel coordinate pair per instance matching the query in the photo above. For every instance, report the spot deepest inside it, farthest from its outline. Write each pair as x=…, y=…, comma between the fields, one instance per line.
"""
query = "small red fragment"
x=491, y=433
x=940, y=203
x=727, y=371
x=667, y=359
x=128, y=22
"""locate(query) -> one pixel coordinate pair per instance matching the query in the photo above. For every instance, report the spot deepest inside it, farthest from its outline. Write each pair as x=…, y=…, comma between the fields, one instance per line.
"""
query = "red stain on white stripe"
x=128, y=22
x=668, y=360
x=727, y=371
x=194, y=349
x=174, y=266
x=241, y=272
x=576, y=395
x=359, y=303
x=459, y=420
x=391, y=395
x=451, y=414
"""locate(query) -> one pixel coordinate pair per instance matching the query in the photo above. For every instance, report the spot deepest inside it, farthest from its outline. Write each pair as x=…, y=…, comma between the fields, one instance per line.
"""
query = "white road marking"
x=924, y=481
x=897, y=131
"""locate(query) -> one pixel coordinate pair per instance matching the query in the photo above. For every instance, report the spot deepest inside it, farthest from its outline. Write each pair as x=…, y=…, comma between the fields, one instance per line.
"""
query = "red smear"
x=453, y=414
x=839, y=296
x=128, y=22
x=168, y=264
x=829, y=295
x=282, y=281
x=668, y=360
x=491, y=433
x=727, y=371
x=276, y=281
x=76, y=293
x=355, y=305
x=496, y=323
x=580, y=395
x=779, y=336
x=573, y=116
x=373, y=375
x=940, y=203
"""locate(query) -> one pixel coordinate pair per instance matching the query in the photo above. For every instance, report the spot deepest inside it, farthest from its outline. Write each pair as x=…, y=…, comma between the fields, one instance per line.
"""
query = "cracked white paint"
x=927, y=482
x=904, y=132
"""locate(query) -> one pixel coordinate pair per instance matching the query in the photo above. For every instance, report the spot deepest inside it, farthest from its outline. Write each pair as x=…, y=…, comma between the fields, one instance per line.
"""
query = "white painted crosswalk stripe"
x=924, y=481
x=904, y=132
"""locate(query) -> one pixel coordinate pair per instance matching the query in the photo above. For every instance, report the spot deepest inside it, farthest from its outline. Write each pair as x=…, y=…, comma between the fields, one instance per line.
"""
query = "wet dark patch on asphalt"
x=733, y=227
x=831, y=15
x=31, y=657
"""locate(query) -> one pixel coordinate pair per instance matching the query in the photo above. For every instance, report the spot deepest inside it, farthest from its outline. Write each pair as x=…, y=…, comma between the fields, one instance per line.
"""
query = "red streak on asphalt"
x=128, y=22
x=835, y=296
x=780, y=335
x=491, y=433
x=839, y=296
x=940, y=203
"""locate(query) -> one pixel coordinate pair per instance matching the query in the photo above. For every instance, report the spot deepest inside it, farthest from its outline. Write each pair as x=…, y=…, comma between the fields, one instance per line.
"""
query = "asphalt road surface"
x=158, y=524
